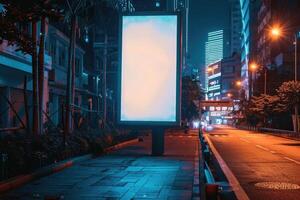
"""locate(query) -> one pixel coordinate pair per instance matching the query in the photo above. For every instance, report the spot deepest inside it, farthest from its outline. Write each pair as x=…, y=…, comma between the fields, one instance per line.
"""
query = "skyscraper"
x=236, y=26
x=245, y=10
x=214, y=47
x=214, y=50
x=249, y=12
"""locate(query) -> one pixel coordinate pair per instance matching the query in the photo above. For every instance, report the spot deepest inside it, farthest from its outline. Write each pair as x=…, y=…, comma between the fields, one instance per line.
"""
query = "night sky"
x=205, y=16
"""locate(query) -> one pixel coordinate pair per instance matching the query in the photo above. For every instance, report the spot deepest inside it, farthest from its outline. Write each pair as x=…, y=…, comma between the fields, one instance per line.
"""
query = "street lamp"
x=209, y=69
x=253, y=67
x=276, y=32
x=238, y=83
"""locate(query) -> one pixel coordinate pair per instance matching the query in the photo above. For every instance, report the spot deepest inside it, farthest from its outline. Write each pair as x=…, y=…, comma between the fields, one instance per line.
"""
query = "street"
x=267, y=167
x=130, y=173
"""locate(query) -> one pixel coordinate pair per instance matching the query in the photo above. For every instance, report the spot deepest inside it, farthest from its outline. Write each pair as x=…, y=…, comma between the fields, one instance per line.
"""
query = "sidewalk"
x=130, y=173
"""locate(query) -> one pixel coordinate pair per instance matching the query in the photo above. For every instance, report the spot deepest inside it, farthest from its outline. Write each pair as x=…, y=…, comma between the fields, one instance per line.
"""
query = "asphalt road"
x=257, y=159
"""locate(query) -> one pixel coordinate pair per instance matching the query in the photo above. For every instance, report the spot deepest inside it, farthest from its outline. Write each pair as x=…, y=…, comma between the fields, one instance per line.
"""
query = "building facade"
x=56, y=45
x=214, y=51
x=14, y=67
x=246, y=43
x=236, y=26
x=275, y=56
x=230, y=74
x=214, y=81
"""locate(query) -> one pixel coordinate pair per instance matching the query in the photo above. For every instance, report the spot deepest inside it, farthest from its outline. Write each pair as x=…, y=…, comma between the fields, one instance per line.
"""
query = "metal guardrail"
x=279, y=132
x=211, y=186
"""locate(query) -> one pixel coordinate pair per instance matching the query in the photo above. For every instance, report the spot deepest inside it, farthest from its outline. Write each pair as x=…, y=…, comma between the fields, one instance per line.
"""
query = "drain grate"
x=277, y=185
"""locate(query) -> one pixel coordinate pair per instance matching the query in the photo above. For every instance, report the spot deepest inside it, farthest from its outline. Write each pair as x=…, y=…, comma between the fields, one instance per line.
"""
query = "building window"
x=228, y=69
x=52, y=50
x=62, y=56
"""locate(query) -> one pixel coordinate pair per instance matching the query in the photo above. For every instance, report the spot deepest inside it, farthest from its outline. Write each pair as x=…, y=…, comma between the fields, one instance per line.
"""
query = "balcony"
x=17, y=60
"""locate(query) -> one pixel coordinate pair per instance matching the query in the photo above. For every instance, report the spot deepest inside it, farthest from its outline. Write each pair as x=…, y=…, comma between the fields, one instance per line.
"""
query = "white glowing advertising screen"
x=149, y=69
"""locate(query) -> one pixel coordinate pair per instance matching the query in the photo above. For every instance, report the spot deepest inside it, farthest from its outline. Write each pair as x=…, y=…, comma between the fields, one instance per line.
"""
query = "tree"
x=74, y=10
x=265, y=106
x=289, y=94
x=16, y=18
x=191, y=92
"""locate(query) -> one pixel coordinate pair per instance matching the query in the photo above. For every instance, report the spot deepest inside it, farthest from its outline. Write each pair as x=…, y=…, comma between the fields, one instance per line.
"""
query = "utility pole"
x=296, y=79
x=296, y=43
x=265, y=81
x=71, y=76
x=36, y=122
x=104, y=77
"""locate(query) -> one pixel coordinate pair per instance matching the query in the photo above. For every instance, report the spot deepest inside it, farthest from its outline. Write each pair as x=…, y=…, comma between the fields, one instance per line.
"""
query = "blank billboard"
x=149, y=78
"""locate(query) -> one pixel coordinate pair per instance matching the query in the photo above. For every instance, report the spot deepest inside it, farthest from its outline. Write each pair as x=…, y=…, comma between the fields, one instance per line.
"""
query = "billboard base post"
x=158, y=141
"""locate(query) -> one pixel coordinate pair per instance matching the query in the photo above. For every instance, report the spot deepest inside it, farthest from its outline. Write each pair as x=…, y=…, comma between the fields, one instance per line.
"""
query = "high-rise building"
x=235, y=26
x=230, y=74
x=249, y=19
x=214, y=47
x=214, y=81
x=214, y=50
x=277, y=56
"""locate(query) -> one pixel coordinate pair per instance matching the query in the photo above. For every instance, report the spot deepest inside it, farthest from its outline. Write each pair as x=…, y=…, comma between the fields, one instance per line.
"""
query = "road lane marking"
x=263, y=148
x=245, y=140
x=295, y=161
x=237, y=188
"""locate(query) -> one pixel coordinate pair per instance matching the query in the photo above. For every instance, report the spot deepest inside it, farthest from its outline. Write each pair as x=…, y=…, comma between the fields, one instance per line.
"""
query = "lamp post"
x=238, y=83
x=276, y=33
x=253, y=67
x=296, y=43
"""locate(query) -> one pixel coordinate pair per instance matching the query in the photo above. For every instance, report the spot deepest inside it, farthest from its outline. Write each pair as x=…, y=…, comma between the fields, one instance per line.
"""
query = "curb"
x=120, y=145
x=51, y=169
x=196, y=184
x=237, y=188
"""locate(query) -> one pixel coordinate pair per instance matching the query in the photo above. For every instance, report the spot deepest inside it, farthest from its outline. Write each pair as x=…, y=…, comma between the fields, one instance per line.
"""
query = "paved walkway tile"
x=130, y=173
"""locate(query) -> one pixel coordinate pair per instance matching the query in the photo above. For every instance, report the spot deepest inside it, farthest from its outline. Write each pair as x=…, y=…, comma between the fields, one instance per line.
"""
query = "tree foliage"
x=16, y=17
x=289, y=94
x=191, y=92
x=268, y=107
x=19, y=28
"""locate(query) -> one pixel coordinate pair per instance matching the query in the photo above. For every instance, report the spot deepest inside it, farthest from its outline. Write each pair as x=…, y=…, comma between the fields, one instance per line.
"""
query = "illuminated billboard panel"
x=149, y=75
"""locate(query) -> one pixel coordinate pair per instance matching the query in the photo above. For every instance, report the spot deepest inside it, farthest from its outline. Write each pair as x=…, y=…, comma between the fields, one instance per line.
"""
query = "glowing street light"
x=253, y=66
x=209, y=69
x=276, y=32
x=238, y=83
x=229, y=95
